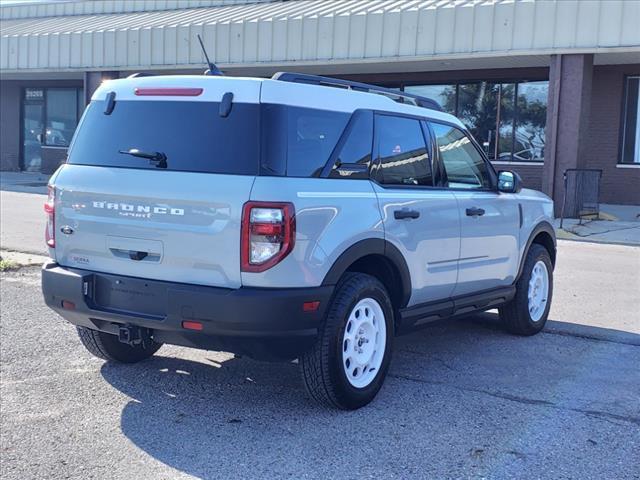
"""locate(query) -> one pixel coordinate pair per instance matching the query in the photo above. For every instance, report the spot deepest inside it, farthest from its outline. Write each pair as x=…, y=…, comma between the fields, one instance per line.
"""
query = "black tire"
x=322, y=367
x=515, y=314
x=108, y=347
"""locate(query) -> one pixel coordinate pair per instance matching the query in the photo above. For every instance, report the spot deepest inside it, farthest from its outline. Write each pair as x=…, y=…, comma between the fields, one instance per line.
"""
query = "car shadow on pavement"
x=241, y=418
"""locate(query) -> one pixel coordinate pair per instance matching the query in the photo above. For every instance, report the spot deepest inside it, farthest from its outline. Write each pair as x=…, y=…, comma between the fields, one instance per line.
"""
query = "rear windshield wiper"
x=159, y=157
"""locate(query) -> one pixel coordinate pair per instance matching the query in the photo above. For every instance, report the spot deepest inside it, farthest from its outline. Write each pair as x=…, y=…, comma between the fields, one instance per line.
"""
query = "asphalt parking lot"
x=463, y=399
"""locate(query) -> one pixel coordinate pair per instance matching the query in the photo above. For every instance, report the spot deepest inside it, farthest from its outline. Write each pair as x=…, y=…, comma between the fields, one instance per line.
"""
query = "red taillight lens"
x=50, y=210
x=268, y=234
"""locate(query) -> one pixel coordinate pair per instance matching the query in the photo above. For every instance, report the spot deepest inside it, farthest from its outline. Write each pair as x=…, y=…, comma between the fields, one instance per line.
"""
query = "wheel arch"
x=379, y=258
x=542, y=234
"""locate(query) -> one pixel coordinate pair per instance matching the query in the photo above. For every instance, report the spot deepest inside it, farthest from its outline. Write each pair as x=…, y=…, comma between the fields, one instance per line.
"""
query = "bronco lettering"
x=127, y=207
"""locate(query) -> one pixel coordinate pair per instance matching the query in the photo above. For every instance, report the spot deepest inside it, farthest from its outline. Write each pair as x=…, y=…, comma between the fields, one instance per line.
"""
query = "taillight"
x=268, y=234
x=50, y=210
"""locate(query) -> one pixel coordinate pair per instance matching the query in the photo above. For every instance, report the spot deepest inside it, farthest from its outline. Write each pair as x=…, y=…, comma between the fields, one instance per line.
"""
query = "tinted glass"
x=531, y=120
x=192, y=135
x=311, y=137
x=463, y=165
x=297, y=141
x=357, y=147
x=477, y=109
x=631, y=132
x=505, y=127
x=402, y=152
x=32, y=133
x=62, y=113
x=445, y=95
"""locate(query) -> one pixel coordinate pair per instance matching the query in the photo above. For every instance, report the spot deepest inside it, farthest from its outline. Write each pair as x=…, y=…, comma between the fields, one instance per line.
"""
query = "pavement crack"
x=429, y=355
x=585, y=336
x=606, y=416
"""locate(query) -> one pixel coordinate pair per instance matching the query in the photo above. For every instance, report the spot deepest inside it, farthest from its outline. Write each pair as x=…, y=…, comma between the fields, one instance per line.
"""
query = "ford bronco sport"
x=292, y=217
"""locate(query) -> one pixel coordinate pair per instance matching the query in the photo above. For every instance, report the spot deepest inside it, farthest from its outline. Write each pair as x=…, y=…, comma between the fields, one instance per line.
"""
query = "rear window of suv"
x=192, y=135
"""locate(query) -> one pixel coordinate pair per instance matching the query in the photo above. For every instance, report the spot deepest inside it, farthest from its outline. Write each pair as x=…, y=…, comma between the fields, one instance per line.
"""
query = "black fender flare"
x=543, y=226
x=372, y=246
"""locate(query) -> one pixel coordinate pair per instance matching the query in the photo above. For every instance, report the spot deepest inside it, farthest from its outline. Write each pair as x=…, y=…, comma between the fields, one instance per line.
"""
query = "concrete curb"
x=20, y=259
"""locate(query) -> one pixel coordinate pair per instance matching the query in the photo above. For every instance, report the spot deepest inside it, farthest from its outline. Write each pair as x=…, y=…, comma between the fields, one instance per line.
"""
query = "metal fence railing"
x=581, y=193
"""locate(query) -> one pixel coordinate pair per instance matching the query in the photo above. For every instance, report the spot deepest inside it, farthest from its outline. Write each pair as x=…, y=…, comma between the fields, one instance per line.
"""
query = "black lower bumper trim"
x=258, y=322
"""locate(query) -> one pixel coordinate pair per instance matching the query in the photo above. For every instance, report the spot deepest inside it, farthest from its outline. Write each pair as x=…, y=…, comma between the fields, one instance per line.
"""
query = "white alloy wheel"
x=364, y=342
x=538, y=290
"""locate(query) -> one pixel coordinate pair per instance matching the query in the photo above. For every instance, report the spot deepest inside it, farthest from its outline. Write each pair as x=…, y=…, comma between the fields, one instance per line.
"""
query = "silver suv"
x=292, y=217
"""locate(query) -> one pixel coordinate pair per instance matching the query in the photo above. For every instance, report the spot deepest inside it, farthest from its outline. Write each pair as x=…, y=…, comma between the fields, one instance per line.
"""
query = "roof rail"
x=397, y=96
x=141, y=74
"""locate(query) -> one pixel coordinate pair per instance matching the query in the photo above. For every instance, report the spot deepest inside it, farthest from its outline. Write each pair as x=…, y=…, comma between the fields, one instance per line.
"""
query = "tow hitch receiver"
x=132, y=335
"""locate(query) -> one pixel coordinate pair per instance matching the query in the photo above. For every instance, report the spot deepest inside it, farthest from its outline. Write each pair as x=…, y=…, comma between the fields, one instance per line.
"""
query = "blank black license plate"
x=130, y=295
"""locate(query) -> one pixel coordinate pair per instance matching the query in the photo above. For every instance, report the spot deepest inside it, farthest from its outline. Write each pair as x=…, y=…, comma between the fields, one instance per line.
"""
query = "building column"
x=92, y=81
x=568, y=113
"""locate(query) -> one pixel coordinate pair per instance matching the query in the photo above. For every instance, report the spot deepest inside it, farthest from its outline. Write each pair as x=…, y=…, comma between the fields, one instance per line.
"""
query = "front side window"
x=631, y=125
x=463, y=165
x=402, y=152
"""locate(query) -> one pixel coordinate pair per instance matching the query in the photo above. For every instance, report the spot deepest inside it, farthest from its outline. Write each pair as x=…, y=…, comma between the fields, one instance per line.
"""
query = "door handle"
x=405, y=214
x=475, y=212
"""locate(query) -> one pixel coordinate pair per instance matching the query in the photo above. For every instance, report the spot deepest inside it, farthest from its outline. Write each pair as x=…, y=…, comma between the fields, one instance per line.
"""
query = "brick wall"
x=619, y=185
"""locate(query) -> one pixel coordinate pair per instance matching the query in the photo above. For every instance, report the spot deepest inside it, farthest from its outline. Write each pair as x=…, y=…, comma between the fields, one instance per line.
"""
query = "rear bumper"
x=257, y=322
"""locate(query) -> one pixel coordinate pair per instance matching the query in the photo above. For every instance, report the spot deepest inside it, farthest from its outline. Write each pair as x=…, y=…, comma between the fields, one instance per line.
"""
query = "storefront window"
x=507, y=119
x=631, y=126
x=478, y=110
x=49, y=118
x=445, y=95
x=531, y=121
x=506, y=95
x=32, y=127
x=62, y=116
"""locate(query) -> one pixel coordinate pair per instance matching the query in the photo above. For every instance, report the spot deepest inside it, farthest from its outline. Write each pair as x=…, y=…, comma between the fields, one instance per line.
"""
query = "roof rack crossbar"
x=395, y=95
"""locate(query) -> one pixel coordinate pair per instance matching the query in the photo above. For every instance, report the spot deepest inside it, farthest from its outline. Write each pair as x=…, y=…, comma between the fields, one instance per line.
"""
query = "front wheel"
x=527, y=312
x=348, y=363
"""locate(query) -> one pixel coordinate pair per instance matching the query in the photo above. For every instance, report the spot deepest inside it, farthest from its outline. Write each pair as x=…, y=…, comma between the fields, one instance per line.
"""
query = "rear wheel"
x=349, y=361
x=108, y=347
x=527, y=313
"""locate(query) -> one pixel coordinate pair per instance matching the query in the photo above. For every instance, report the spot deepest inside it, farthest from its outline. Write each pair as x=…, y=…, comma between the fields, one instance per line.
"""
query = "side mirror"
x=509, y=182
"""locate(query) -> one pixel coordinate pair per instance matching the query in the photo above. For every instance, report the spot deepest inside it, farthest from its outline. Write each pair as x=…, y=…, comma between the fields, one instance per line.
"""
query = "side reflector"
x=192, y=325
x=168, y=92
x=66, y=304
x=310, y=306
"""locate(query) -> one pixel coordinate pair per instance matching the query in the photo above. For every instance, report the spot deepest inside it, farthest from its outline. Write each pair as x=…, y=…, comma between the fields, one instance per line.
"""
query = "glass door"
x=32, y=129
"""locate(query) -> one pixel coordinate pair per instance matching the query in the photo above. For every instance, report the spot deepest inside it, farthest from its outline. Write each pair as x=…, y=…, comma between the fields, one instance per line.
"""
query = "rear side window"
x=464, y=166
x=305, y=137
x=192, y=135
x=357, y=147
x=402, y=152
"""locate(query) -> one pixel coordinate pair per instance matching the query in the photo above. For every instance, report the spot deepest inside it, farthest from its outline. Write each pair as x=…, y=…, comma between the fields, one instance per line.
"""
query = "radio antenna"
x=212, y=70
